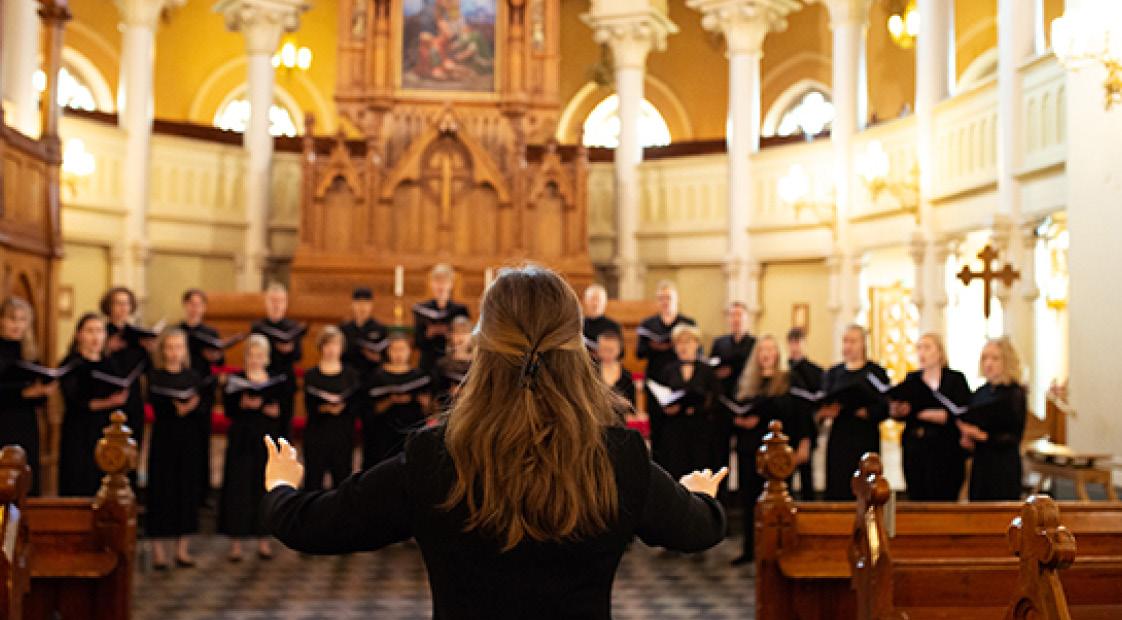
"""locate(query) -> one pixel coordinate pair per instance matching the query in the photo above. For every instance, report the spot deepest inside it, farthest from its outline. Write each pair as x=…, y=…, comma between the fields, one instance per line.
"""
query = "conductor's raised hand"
x=282, y=468
x=704, y=481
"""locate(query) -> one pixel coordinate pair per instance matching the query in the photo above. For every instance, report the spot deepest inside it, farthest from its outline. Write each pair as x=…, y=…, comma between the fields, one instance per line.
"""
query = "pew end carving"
x=15, y=482
x=870, y=556
x=774, y=522
x=1045, y=547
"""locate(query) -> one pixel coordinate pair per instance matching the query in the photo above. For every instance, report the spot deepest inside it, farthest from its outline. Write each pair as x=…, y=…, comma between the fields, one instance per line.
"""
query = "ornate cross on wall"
x=988, y=274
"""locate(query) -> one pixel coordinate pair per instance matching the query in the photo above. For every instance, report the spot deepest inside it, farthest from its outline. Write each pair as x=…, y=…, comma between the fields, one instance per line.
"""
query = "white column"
x=849, y=22
x=632, y=28
x=21, y=59
x=262, y=22
x=744, y=24
x=934, y=53
x=139, y=19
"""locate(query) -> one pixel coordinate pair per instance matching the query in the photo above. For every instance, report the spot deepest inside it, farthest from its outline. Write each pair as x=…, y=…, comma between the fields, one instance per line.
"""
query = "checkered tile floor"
x=391, y=585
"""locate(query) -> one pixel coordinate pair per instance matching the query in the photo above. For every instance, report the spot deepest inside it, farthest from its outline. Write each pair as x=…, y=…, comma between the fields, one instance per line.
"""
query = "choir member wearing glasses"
x=251, y=400
x=175, y=481
x=856, y=415
x=398, y=397
x=89, y=400
x=511, y=526
x=331, y=397
x=22, y=390
x=993, y=431
x=934, y=462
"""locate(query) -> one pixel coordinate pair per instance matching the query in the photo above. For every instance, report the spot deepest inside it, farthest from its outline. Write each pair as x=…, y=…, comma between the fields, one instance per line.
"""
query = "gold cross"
x=446, y=189
x=987, y=275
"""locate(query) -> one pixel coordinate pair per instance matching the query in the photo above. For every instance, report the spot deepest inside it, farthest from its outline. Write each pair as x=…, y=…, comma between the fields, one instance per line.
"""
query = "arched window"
x=809, y=115
x=234, y=116
x=601, y=128
x=73, y=92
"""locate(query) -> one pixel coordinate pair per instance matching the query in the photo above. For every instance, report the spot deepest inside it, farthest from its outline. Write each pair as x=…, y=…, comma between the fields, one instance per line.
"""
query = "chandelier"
x=903, y=22
x=1091, y=34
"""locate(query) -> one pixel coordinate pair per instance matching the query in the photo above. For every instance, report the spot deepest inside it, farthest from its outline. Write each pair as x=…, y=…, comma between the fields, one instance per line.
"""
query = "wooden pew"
x=946, y=560
x=83, y=550
x=15, y=482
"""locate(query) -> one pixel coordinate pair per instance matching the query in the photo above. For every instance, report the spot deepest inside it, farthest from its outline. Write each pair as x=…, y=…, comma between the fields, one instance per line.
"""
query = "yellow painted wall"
x=171, y=274
x=85, y=271
x=975, y=23
x=786, y=284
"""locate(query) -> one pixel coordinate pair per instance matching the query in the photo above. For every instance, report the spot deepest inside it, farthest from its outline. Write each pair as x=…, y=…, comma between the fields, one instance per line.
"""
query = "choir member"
x=654, y=340
x=452, y=369
x=88, y=403
x=207, y=352
x=399, y=396
x=175, y=478
x=595, y=322
x=432, y=319
x=687, y=422
x=761, y=396
x=934, y=463
x=728, y=356
x=252, y=402
x=285, y=348
x=21, y=392
x=856, y=419
x=511, y=526
x=995, y=438
x=365, y=336
x=609, y=350
x=330, y=391
x=129, y=348
x=806, y=376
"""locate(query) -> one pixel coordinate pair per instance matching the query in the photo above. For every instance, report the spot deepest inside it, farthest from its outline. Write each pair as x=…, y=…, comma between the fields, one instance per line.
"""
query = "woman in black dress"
x=399, y=396
x=763, y=389
x=934, y=462
x=251, y=401
x=330, y=393
x=608, y=354
x=856, y=421
x=21, y=392
x=88, y=401
x=175, y=481
x=129, y=348
x=201, y=339
x=451, y=370
x=511, y=525
x=995, y=439
x=687, y=423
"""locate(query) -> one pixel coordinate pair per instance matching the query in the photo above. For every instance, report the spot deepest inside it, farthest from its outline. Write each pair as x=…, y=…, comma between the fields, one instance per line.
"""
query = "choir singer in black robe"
x=510, y=526
x=806, y=377
x=251, y=401
x=365, y=335
x=432, y=319
x=21, y=391
x=595, y=321
x=995, y=436
x=609, y=351
x=452, y=369
x=934, y=462
x=398, y=398
x=728, y=357
x=205, y=355
x=129, y=347
x=655, y=345
x=856, y=419
x=285, y=347
x=175, y=483
x=331, y=391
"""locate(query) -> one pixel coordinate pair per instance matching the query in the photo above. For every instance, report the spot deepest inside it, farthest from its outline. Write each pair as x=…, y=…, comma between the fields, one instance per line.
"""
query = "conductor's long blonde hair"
x=528, y=447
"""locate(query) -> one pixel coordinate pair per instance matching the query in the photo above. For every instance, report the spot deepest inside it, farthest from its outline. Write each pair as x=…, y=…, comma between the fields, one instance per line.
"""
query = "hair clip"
x=531, y=363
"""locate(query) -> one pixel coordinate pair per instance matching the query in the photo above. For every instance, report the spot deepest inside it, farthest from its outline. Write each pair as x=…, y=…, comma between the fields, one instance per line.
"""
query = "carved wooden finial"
x=869, y=556
x=1045, y=547
x=775, y=511
x=775, y=461
x=116, y=456
x=869, y=484
x=15, y=475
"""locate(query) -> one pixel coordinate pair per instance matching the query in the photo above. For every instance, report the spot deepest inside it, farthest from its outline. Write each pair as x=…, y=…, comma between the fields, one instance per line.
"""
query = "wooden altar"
x=456, y=102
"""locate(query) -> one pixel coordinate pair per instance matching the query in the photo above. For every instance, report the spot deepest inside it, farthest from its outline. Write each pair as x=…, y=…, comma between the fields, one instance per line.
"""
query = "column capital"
x=632, y=28
x=843, y=12
x=744, y=23
x=144, y=13
x=262, y=22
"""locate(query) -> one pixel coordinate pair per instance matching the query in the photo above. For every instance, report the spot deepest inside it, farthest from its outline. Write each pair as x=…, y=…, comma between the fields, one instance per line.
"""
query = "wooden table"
x=1051, y=460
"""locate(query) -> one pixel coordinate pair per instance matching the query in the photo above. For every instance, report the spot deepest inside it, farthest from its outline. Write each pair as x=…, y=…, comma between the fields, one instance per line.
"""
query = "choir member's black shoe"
x=181, y=563
x=160, y=567
x=234, y=558
x=742, y=559
x=265, y=556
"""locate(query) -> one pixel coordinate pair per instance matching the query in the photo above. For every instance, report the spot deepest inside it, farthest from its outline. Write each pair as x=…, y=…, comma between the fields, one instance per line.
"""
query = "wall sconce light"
x=794, y=190
x=291, y=57
x=874, y=168
x=78, y=164
x=903, y=23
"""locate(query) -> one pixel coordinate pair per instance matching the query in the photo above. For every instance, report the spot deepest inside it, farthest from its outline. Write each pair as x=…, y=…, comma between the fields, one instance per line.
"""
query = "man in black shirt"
x=806, y=375
x=595, y=322
x=365, y=336
x=728, y=357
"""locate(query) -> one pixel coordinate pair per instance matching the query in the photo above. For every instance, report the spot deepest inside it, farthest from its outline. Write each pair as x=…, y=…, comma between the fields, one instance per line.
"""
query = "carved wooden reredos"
x=456, y=162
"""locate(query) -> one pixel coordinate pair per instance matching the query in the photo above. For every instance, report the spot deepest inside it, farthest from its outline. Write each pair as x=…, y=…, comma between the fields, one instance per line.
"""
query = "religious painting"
x=448, y=45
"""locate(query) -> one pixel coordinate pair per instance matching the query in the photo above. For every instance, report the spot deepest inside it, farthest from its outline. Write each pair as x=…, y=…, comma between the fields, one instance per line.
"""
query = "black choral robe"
x=175, y=476
x=807, y=376
x=208, y=395
x=243, y=475
x=282, y=363
x=82, y=427
x=934, y=462
x=850, y=436
x=368, y=337
x=732, y=354
x=651, y=329
x=19, y=417
x=383, y=434
x=132, y=357
x=685, y=442
x=429, y=313
x=329, y=439
x=592, y=327
x=996, y=472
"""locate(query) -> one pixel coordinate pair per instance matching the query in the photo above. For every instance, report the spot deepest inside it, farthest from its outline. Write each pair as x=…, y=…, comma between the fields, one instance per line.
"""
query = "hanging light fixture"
x=1088, y=35
x=903, y=22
